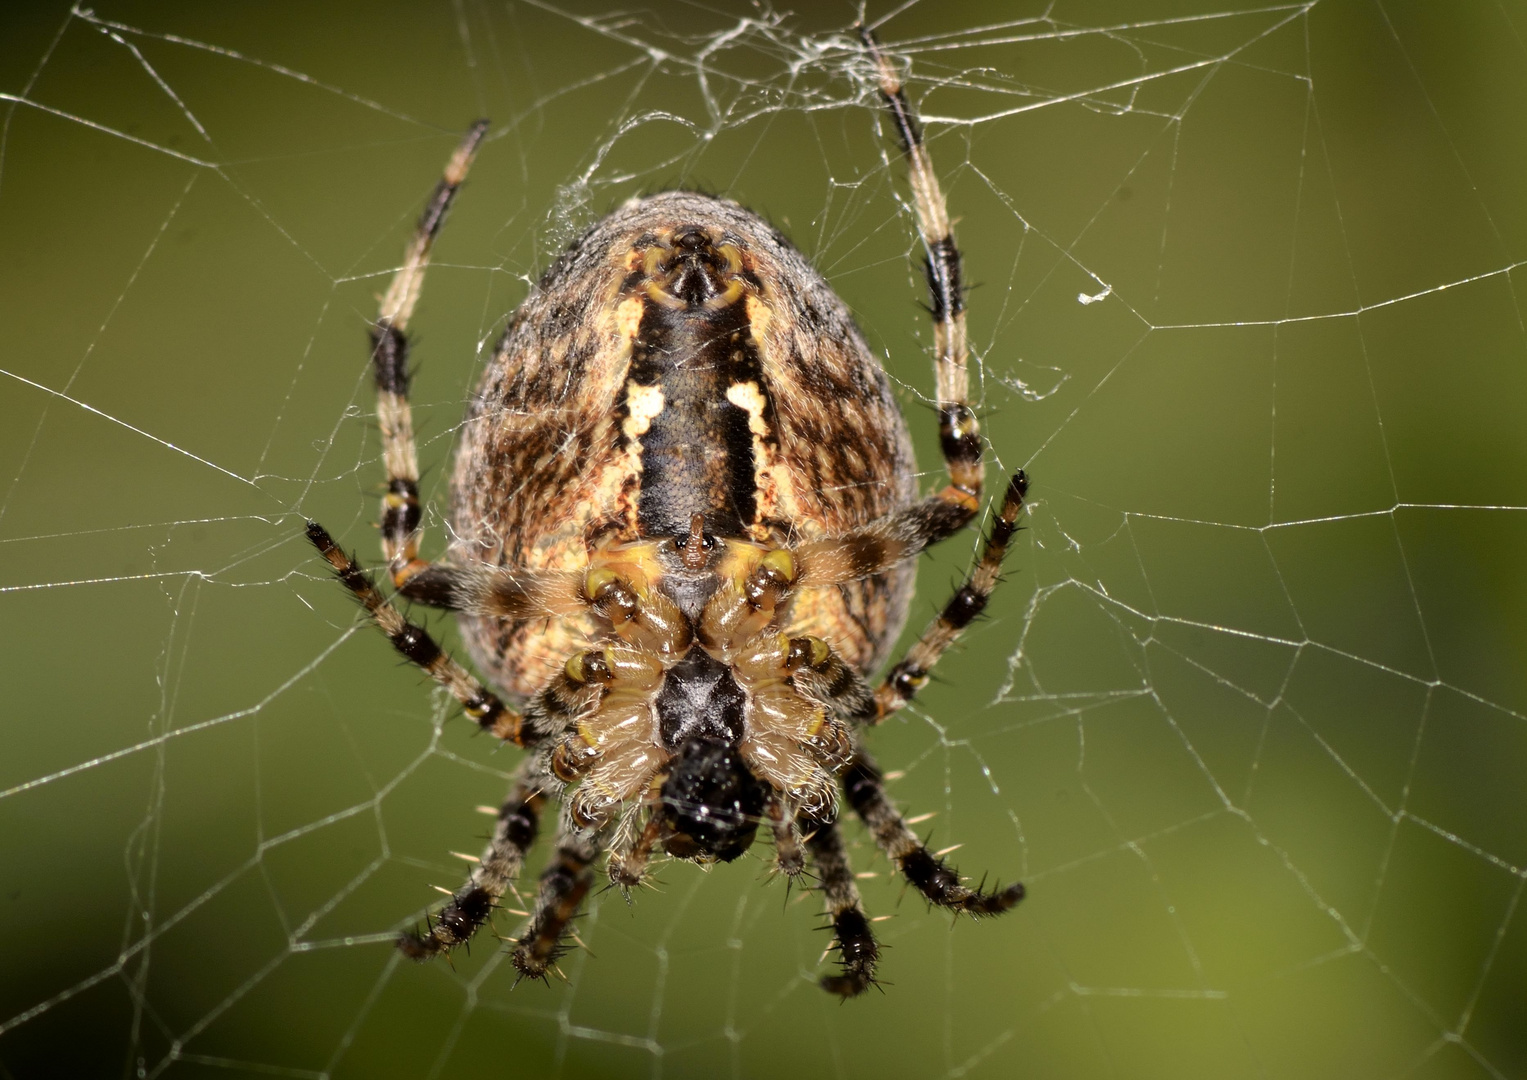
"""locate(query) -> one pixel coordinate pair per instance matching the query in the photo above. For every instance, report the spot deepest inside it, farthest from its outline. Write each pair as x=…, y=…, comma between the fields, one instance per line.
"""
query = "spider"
x=685, y=520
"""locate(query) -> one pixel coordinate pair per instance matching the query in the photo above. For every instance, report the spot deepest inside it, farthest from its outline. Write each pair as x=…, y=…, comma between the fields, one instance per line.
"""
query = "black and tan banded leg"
x=389, y=357
x=910, y=675
x=414, y=644
x=563, y=886
x=470, y=906
x=959, y=431
x=818, y=673
x=852, y=937
x=938, y=882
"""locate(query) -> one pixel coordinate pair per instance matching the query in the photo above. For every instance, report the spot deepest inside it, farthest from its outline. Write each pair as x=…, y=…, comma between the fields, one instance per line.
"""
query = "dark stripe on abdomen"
x=697, y=452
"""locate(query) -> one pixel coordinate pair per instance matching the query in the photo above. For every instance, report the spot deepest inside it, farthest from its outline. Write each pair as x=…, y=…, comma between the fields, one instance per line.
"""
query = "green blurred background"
x=1249, y=716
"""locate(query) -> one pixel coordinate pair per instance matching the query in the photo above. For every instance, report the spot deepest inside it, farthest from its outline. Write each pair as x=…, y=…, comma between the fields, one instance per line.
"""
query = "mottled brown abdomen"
x=680, y=358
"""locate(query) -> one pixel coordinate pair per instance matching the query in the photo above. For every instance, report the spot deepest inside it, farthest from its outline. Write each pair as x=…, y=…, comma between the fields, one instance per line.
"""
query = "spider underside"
x=685, y=476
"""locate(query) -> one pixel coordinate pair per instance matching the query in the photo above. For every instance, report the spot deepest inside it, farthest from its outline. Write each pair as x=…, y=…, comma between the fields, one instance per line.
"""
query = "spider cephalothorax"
x=685, y=523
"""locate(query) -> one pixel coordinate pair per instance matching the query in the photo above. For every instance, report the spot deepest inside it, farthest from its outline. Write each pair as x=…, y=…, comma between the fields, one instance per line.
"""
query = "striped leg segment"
x=878, y=546
x=504, y=592
x=471, y=905
x=959, y=431
x=855, y=942
x=909, y=676
x=941, y=884
x=416, y=646
x=564, y=884
x=389, y=357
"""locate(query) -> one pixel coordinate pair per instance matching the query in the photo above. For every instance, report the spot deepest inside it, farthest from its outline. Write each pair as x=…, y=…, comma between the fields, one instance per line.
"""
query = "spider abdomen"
x=680, y=358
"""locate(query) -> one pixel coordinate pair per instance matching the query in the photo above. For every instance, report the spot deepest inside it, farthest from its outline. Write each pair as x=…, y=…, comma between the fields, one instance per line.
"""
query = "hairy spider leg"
x=631, y=853
x=959, y=431
x=502, y=591
x=563, y=885
x=910, y=674
x=855, y=942
x=789, y=855
x=878, y=546
x=567, y=704
x=470, y=906
x=389, y=357
x=882, y=544
x=414, y=644
x=865, y=788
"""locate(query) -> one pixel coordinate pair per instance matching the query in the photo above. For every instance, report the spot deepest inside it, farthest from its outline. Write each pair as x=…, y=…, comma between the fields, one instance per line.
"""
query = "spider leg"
x=795, y=739
x=563, y=886
x=389, y=357
x=941, y=884
x=880, y=545
x=505, y=592
x=415, y=645
x=553, y=710
x=629, y=856
x=959, y=431
x=609, y=743
x=639, y=614
x=789, y=855
x=910, y=674
x=857, y=951
x=471, y=905
x=832, y=682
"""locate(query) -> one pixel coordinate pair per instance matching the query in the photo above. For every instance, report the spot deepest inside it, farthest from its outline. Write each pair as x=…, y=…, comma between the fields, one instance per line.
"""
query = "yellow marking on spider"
x=643, y=403
x=628, y=317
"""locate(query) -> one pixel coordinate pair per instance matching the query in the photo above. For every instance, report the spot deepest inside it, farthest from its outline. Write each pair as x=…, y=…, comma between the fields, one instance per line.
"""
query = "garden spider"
x=685, y=525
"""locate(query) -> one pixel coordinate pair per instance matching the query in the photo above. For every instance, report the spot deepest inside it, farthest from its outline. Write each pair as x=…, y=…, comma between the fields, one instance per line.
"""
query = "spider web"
x=1248, y=717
